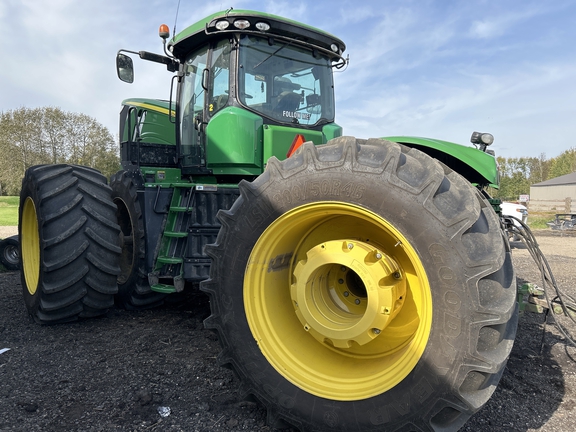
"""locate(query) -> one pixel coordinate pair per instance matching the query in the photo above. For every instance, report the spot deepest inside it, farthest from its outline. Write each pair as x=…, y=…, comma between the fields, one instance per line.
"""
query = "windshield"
x=287, y=83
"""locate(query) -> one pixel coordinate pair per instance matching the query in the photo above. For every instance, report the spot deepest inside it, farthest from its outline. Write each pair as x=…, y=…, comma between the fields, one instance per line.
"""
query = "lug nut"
x=346, y=293
x=340, y=281
x=397, y=275
x=376, y=331
x=350, y=246
x=357, y=301
x=378, y=255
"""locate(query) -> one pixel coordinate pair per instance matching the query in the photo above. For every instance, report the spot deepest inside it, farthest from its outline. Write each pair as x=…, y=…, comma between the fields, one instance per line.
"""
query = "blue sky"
x=436, y=68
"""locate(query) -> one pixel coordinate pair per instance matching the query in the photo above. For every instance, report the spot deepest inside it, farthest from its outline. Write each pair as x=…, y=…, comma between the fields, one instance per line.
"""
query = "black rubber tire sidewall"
x=431, y=396
x=7, y=245
x=134, y=292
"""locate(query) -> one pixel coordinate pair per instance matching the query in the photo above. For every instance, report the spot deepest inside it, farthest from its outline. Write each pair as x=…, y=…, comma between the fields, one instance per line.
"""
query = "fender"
x=476, y=166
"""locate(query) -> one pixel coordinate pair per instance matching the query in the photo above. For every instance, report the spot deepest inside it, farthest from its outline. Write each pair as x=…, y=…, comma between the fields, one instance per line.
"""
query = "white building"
x=557, y=194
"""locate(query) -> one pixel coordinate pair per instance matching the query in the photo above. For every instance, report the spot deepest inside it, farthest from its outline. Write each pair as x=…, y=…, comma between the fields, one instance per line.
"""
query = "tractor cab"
x=248, y=87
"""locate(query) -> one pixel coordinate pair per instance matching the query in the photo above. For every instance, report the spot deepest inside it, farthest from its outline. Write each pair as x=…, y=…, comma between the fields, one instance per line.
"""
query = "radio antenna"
x=176, y=19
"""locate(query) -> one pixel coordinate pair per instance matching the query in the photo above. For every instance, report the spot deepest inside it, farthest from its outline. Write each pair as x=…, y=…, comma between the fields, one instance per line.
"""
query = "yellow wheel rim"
x=30, y=245
x=338, y=301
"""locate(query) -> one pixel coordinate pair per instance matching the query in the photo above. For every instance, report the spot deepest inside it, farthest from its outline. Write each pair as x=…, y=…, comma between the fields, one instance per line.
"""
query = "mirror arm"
x=171, y=63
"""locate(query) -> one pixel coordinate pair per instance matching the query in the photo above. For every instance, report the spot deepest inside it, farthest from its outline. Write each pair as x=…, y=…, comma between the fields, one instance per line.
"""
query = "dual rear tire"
x=134, y=292
x=69, y=243
x=82, y=244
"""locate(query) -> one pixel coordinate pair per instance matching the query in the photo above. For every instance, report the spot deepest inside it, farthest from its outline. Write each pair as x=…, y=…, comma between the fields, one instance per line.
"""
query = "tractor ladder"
x=167, y=276
x=191, y=224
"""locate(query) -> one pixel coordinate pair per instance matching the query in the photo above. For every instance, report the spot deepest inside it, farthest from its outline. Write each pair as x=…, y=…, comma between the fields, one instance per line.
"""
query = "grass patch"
x=9, y=210
x=537, y=220
x=9, y=214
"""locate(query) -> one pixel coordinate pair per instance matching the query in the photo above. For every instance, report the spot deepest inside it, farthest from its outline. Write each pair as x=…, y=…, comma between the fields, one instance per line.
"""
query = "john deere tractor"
x=355, y=284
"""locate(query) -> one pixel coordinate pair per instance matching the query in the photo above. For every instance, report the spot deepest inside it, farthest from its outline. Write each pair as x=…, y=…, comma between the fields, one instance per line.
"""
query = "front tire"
x=363, y=286
x=69, y=243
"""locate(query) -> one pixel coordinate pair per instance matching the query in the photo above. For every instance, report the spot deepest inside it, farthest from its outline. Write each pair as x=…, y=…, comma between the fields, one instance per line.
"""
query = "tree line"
x=517, y=174
x=48, y=135
x=34, y=136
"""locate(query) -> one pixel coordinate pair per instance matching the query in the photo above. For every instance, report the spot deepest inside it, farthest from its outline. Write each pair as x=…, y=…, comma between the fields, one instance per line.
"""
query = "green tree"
x=53, y=126
x=563, y=164
x=539, y=168
x=513, y=186
x=48, y=136
x=515, y=176
x=21, y=146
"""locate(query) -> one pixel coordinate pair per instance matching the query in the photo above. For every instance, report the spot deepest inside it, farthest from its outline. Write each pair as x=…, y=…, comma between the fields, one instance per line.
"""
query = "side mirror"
x=125, y=68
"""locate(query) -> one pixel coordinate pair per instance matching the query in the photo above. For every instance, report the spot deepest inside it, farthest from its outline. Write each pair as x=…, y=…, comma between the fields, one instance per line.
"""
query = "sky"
x=431, y=68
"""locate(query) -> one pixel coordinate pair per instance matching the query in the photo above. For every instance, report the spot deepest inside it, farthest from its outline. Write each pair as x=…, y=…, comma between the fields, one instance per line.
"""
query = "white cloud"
x=296, y=10
x=417, y=67
x=57, y=20
x=500, y=18
x=539, y=99
x=426, y=76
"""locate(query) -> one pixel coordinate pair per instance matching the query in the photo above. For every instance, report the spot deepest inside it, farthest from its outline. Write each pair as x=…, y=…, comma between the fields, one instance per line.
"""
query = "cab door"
x=193, y=110
x=204, y=91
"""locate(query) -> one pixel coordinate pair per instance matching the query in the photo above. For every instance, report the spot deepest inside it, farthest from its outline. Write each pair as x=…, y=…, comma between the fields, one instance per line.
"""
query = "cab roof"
x=205, y=29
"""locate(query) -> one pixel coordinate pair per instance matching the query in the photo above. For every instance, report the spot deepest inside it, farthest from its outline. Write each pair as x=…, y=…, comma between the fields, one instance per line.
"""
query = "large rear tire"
x=363, y=286
x=69, y=243
x=134, y=291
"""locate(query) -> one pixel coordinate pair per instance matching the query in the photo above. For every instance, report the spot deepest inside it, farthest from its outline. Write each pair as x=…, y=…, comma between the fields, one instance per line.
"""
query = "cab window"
x=289, y=84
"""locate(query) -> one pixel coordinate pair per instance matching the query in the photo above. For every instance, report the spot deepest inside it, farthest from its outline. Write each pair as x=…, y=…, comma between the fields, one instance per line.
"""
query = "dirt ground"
x=7, y=231
x=119, y=372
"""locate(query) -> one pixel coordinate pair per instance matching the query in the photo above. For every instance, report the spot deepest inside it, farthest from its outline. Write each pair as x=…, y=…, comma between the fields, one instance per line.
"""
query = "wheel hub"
x=346, y=292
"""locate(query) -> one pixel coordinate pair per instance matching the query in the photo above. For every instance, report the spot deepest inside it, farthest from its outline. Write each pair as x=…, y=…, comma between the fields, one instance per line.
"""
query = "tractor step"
x=170, y=260
x=179, y=209
x=175, y=234
x=177, y=284
x=163, y=288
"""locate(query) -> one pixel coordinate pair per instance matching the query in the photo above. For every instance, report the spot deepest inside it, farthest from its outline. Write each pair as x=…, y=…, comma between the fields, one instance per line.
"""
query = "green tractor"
x=355, y=285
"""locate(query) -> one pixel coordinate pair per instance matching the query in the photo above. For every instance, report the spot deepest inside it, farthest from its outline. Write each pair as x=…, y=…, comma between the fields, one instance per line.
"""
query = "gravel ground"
x=118, y=372
x=7, y=231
